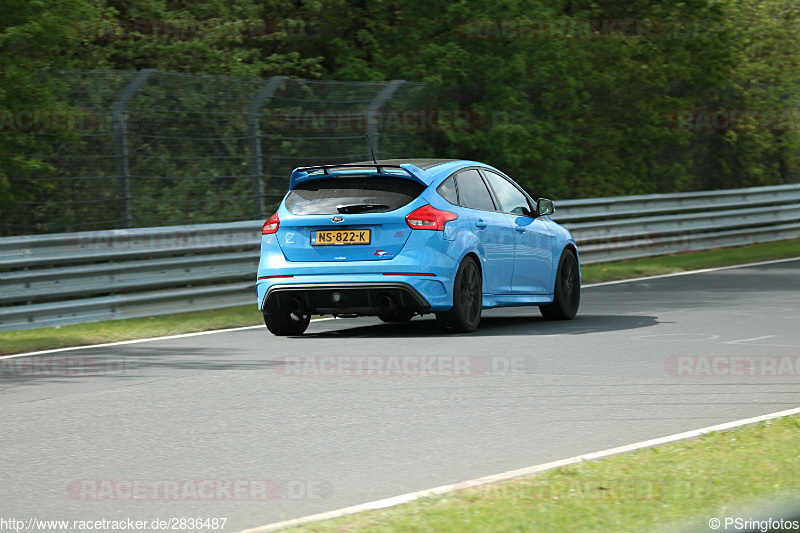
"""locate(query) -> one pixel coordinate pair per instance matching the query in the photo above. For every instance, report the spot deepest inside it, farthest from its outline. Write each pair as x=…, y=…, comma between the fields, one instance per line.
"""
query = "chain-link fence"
x=151, y=148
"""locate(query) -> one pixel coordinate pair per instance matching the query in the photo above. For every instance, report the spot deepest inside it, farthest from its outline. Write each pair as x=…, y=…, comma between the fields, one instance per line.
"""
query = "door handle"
x=520, y=229
x=480, y=223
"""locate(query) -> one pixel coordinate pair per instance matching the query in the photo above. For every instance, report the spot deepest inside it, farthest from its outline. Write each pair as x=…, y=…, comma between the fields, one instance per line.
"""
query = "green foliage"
x=765, y=76
x=33, y=37
x=583, y=116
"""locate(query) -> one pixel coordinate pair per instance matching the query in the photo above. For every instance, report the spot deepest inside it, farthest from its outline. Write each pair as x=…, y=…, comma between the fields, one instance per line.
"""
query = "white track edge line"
x=136, y=341
x=700, y=271
x=228, y=330
x=504, y=476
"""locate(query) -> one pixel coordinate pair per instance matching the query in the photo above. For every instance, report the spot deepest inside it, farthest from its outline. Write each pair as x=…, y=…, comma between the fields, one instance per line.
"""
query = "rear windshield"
x=356, y=194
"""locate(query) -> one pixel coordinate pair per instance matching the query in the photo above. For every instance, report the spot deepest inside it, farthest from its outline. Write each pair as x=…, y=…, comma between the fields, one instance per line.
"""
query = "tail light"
x=428, y=217
x=271, y=225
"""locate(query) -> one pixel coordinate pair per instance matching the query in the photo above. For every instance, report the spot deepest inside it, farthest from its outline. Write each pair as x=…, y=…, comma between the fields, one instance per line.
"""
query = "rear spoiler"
x=301, y=174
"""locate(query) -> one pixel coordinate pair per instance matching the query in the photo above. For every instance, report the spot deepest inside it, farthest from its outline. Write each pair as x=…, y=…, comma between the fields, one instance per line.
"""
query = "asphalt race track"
x=109, y=433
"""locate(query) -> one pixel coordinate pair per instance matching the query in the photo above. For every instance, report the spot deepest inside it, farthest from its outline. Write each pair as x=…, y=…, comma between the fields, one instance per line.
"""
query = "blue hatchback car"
x=395, y=238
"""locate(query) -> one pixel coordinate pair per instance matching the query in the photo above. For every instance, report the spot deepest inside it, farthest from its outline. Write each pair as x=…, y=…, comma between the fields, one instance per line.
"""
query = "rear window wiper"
x=359, y=208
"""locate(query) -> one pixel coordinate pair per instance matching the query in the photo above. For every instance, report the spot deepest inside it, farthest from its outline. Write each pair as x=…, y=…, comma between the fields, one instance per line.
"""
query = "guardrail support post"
x=256, y=161
x=372, y=108
x=120, y=122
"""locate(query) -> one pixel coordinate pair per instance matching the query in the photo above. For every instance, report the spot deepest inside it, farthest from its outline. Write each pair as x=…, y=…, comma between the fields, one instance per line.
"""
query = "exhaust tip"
x=294, y=304
x=386, y=302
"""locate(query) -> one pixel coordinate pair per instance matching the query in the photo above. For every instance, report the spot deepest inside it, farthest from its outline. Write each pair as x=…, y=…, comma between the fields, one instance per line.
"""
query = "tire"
x=283, y=322
x=567, y=294
x=465, y=315
x=398, y=315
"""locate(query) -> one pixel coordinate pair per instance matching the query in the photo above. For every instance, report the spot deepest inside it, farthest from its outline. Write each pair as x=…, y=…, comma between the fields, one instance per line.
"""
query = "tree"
x=33, y=38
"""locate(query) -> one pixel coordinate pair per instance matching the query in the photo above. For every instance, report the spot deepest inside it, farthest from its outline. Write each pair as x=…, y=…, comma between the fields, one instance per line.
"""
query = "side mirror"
x=545, y=207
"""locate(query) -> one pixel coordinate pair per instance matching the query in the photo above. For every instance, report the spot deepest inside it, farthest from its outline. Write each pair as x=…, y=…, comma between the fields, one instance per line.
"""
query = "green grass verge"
x=681, y=484
x=27, y=340
x=682, y=262
x=134, y=328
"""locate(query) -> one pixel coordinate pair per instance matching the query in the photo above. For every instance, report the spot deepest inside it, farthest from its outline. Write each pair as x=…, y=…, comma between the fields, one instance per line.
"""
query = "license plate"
x=340, y=236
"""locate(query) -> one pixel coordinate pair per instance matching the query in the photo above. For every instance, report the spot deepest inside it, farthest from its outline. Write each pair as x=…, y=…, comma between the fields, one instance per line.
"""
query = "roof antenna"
x=369, y=143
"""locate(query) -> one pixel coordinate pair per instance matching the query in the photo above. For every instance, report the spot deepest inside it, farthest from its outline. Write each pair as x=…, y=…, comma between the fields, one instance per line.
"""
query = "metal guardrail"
x=67, y=278
x=611, y=229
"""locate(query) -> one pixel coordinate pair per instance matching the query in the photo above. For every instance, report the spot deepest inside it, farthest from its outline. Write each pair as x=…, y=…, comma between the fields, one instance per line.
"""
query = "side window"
x=448, y=190
x=511, y=199
x=473, y=192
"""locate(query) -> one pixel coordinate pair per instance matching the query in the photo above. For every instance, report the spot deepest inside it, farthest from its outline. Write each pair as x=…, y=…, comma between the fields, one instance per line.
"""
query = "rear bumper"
x=423, y=267
x=345, y=298
x=359, y=290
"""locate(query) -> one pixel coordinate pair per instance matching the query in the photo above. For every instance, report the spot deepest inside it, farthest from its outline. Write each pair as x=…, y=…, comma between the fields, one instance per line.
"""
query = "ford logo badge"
x=337, y=219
